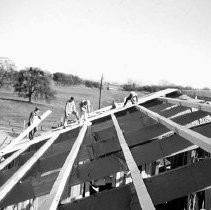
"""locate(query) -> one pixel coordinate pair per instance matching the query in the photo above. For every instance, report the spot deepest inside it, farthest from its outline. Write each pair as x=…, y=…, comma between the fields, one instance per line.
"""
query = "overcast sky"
x=148, y=41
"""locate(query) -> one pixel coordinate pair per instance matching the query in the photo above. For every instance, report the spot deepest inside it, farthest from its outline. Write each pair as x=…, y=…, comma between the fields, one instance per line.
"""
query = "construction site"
x=154, y=154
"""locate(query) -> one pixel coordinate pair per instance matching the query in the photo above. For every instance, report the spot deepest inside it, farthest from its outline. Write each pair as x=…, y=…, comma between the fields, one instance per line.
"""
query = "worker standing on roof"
x=70, y=109
x=132, y=97
x=85, y=107
x=33, y=118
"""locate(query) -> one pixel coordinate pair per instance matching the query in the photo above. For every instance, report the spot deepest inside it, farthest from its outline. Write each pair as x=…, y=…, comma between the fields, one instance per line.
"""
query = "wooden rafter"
x=191, y=103
x=53, y=199
x=24, y=133
x=194, y=137
x=162, y=188
x=142, y=193
x=17, y=176
x=92, y=170
x=92, y=118
x=59, y=151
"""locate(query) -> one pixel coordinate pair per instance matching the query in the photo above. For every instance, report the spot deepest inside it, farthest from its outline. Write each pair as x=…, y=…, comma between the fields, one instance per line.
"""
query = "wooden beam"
x=16, y=177
x=98, y=116
x=199, y=93
x=8, y=160
x=107, y=146
x=186, y=103
x=91, y=119
x=69, y=130
x=53, y=158
x=53, y=199
x=194, y=137
x=44, y=137
x=144, y=153
x=143, y=195
x=140, y=101
x=184, y=180
x=24, y=133
x=162, y=188
x=134, y=138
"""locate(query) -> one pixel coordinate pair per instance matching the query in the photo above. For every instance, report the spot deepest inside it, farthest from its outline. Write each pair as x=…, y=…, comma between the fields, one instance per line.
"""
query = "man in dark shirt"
x=34, y=116
x=132, y=97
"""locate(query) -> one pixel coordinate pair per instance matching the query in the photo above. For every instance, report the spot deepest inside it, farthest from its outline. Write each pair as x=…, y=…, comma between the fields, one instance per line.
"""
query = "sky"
x=144, y=41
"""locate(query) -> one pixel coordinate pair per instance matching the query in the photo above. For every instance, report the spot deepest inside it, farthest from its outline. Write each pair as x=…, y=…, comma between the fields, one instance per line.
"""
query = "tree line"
x=153, y=88
x=63, y=79
x=35, y=83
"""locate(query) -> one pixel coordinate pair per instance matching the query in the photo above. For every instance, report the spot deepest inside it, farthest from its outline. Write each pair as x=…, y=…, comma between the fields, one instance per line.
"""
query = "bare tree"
x=6, y=67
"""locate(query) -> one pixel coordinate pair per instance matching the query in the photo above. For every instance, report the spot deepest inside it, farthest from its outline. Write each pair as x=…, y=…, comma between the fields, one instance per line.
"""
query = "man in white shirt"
x=70, y=109
x=85, y=107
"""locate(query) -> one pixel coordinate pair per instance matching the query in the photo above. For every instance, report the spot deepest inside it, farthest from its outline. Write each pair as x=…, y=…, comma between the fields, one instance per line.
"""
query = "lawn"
x=15, y=110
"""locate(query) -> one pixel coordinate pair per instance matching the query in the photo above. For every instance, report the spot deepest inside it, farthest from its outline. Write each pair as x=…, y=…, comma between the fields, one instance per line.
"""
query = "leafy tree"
x=7, y=71
x=91, y=84
x=66, y=79
x=34, y=83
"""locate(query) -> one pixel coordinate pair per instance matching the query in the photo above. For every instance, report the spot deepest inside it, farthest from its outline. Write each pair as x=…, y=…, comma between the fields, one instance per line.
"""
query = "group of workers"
x=70, y=109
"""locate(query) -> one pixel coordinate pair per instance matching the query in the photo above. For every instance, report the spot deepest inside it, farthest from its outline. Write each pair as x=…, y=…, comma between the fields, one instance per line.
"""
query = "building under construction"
x=151, y=155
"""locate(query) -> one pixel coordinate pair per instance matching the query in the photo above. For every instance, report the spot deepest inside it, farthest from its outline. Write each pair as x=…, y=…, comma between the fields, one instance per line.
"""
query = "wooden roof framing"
x=194, y=137
x=24, y=133
x=16, y=177
x=140, y=143
x=141, y=190
x=200, y=106
x=158, y=187
x=54, y=197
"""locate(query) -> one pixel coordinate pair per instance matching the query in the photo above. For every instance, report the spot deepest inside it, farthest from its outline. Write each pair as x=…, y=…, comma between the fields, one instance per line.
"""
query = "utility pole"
x=101, y=84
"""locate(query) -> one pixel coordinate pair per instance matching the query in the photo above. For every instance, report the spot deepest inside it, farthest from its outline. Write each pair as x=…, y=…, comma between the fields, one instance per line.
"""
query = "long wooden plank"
x=144, y=153
x=149, y=132
x=140, y=101
x=100, y=115
x=8, y=160
x=191, y=104
x=162, y=188
x=53, y=199
x=24, y=133
x=16, y=177
x=199, y=93
x=143, y=195
x=134, y=137
x=184, y=180
x=194, y=137
x=19, y=149
x=26, y=145
x=91, y=119
x=44, y=137
x=93, y=151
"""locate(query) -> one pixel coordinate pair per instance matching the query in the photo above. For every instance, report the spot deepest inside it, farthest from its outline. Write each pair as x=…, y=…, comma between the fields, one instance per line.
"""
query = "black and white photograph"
x=105, y=105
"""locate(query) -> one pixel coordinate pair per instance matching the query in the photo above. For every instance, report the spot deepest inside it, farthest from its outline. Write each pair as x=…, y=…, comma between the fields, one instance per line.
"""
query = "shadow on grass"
x=26, y=102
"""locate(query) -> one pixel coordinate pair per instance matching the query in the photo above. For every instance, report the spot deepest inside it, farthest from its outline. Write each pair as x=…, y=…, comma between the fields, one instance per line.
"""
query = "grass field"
x=15, y=110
